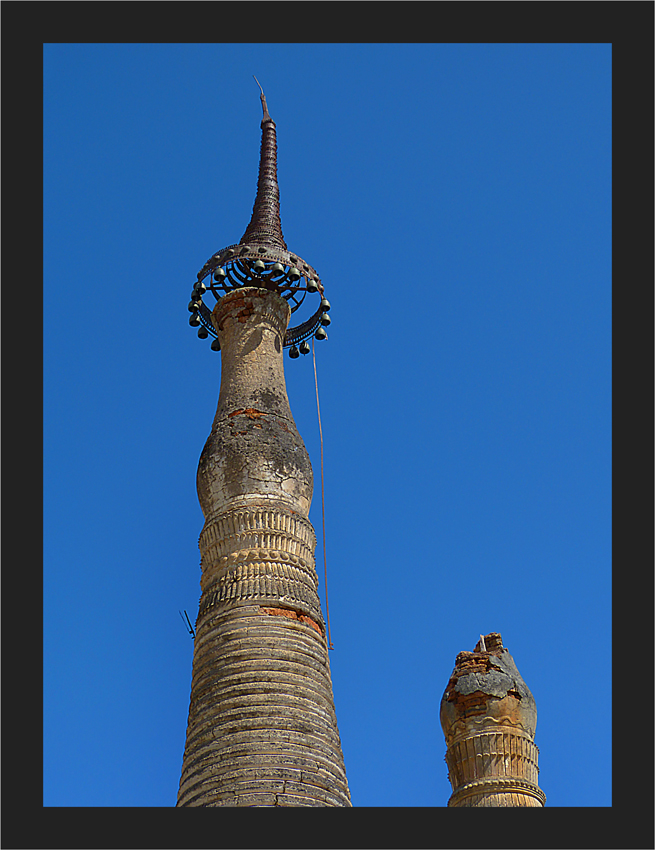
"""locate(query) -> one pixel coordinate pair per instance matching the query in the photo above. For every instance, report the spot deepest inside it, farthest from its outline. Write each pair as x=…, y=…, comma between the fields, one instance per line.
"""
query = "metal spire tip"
x=262, y=97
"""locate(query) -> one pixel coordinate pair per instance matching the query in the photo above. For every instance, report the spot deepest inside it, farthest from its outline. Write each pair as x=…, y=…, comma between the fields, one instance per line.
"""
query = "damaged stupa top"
x=485, y=688
x=261, y=259
x=489, y=718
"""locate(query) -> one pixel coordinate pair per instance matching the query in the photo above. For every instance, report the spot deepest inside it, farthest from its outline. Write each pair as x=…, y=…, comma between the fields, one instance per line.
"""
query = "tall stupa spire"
x=262, y=729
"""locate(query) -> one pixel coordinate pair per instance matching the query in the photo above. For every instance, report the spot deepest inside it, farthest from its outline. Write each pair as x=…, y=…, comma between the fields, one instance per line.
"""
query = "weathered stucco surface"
x=254, y=454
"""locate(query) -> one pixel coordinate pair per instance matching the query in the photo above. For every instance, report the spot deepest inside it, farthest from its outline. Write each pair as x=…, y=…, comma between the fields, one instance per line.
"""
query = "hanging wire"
x=320, y=431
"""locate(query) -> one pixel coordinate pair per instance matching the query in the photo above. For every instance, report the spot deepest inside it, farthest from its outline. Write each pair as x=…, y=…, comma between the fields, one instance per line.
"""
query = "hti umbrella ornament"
x=262, y=259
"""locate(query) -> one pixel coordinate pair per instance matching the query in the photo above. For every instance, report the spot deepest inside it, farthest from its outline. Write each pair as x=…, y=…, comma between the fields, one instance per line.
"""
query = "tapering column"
x=262, y=729
x=489, y=718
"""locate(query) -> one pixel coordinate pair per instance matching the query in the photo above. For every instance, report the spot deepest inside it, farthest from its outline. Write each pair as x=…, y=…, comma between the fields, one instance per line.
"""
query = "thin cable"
x=320, y=431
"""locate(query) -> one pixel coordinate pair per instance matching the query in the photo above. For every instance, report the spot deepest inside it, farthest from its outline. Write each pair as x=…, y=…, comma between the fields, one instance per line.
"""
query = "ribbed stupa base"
x=262, y=729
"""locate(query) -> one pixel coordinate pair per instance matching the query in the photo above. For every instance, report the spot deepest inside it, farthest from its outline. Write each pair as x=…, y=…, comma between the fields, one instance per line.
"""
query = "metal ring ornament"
x=267, y=267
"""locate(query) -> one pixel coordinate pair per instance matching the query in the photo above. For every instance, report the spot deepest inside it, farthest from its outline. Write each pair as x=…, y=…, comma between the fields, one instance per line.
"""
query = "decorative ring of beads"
x=266, y=267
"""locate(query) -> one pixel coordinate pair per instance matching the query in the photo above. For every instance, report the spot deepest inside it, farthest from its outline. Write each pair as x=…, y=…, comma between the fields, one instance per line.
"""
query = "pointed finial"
x=262, y=97
x=265, y=227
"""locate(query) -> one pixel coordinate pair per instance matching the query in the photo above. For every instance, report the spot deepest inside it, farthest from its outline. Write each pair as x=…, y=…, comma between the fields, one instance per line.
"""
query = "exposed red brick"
x=250, y=412
x=292, y=615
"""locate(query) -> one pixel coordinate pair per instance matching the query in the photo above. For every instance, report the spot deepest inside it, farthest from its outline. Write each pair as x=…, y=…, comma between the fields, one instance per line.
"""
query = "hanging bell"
x=219, y=275
x=203, y=333
x=293, y=352
x=321, y=333
x=194, y=305
x=294, y=274
x=215, y=346
x=312, y=286
x=304, y=347
x=277, y=269
x=199, y=288
x=325, y=305
x=258, y=266
x=325, y=319
x=194, y=321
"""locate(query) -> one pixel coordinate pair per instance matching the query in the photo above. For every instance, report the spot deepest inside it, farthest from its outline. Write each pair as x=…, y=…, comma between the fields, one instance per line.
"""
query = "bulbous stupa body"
x=262, y=728
x=489, y=718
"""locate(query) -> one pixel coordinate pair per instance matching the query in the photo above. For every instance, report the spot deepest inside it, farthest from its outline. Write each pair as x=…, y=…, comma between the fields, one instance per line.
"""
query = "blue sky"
x=455, y=199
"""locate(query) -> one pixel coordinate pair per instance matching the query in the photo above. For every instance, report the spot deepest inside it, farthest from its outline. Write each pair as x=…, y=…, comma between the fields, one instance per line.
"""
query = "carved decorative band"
x=502, y=753
x=257, y=529
x=213, y=561
x=282, y=583
x=259, y=553
x=497, y=785
x=465, y=727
